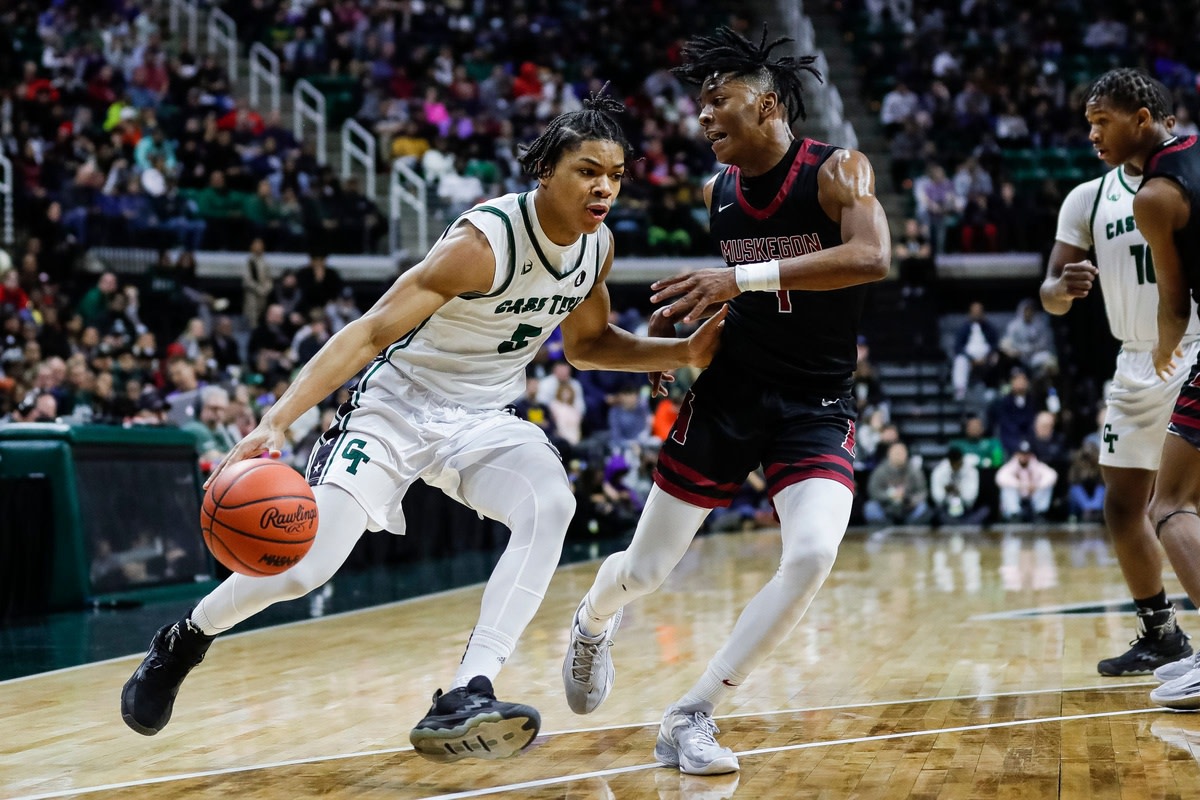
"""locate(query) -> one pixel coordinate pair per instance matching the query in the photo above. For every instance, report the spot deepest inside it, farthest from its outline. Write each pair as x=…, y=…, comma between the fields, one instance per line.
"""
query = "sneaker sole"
x=489, y=737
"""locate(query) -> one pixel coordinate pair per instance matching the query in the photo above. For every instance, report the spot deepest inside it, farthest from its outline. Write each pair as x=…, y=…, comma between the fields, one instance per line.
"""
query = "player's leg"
x=1173, y=510
x=148, y=696
x=526, y=488
x=665, y=529
x=813, y=515
x=1159, y=640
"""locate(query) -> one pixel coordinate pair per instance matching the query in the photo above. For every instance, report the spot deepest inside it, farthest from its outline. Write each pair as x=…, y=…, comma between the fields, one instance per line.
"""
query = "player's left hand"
x=696, y=291
x=703, y=344
x=1164, y=364
x=660, y=326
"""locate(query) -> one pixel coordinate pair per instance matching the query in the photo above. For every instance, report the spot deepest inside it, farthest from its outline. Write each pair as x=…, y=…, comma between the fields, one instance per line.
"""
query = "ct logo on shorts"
x=354, y=454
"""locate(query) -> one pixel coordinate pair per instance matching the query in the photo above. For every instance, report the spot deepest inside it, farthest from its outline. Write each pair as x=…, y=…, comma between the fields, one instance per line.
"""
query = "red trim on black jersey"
x=1183, y=144
x=802, y=157
x=829, y=466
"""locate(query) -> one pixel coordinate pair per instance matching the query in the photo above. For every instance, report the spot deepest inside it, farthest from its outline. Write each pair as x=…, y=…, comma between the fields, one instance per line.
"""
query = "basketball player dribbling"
x=1098, y=216
x=446, y=349
x=799, y=225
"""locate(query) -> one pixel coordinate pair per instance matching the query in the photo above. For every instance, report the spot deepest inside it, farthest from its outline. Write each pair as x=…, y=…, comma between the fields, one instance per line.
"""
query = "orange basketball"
x=259, y=517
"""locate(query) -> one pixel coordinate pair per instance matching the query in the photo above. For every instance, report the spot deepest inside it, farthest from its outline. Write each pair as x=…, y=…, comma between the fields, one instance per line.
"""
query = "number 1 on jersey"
x=1144, y=261
x=785, y=301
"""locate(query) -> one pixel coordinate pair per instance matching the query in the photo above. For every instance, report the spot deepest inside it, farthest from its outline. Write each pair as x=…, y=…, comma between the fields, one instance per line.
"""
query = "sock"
x=486, y=652
x=717, y=681
x=1158, y=602
x=591, y=624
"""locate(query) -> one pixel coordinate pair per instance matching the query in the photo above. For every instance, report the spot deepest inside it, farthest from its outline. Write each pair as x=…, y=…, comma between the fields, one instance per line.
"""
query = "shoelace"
x=703, y=727
x=586, y=654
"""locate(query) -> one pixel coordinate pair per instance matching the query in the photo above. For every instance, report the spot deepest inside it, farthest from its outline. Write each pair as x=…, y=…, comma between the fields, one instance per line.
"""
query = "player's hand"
x=1164, y=363
x=1077, y=279
x=696, y=291
x=263, y=439
x=660, y=326
x=703, y=344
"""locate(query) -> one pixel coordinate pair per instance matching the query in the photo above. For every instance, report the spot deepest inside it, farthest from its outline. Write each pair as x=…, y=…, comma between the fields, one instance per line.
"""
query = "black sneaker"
x=1159, y=642
x=469, y=722
x=149, y=695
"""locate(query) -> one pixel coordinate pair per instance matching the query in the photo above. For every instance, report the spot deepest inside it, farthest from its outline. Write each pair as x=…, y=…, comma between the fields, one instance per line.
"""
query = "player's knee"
x=813, y=556
x=550, y=508
x=644, y=577
x=302, y=579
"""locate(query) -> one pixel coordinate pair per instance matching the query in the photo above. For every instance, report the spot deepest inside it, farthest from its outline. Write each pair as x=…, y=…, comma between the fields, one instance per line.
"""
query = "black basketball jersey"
x=1178, y=159
x=799, y=340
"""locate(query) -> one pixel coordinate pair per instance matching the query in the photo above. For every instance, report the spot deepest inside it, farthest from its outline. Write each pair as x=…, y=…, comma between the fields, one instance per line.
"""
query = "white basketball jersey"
x=474, y=349
x=1099, y=214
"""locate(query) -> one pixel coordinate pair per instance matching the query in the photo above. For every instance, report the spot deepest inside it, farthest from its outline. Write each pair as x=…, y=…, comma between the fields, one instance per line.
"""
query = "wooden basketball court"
x=932, y=665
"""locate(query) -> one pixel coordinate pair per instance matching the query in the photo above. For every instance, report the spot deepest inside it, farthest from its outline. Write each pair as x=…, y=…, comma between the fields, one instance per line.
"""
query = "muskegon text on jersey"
x=766, y=248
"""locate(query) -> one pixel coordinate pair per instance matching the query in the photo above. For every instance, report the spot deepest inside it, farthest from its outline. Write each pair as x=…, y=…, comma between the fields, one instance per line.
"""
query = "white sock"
x=591, y=624
x=486, y=652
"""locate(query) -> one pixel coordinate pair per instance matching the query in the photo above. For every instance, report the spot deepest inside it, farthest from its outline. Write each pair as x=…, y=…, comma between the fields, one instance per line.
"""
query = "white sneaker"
x=588, y=670
x=1177, y=669
x=1182, y=693
x=686, y=739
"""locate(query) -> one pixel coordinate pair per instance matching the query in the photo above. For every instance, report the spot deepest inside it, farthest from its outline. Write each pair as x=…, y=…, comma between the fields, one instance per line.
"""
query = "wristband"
x=762, y=276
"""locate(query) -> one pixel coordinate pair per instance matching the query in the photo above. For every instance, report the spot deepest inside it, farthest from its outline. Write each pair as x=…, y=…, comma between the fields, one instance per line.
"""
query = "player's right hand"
x=1077, y=279
x=263, y=439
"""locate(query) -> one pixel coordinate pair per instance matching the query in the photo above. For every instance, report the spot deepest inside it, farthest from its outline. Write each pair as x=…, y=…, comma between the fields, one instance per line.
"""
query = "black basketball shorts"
x=729, y=424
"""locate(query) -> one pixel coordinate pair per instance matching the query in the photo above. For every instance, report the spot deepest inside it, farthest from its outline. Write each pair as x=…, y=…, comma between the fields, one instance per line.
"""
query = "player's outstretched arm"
x=461, y=262
x=846, y=192
x=1069, y=277
x=1160, y=209
x=591, y=342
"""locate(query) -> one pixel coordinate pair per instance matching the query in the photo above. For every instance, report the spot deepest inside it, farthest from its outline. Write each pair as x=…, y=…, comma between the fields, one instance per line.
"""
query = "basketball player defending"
x=1130, y=126
x=446, y=349
x=1098, y=215
x=800, y=227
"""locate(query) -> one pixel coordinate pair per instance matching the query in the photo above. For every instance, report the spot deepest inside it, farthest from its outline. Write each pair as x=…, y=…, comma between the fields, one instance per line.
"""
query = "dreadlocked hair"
x=1131, y=89
x=728, y=52
x=596, y=121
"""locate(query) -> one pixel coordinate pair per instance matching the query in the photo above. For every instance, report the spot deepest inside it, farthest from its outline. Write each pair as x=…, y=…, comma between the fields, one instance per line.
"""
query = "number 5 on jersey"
x=519, y=339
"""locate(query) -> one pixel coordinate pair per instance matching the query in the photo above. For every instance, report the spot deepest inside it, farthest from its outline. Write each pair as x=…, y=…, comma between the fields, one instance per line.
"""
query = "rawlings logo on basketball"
x=282, y=562
x=295, y=522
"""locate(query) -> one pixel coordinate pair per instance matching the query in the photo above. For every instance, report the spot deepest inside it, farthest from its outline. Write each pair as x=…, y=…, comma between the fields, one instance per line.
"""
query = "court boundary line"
x=1060, y=608
x=165, y=779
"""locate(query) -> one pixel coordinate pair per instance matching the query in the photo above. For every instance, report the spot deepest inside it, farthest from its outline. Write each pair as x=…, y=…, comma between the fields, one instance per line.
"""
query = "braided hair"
x=1131, y=89
x=728, y=52
x=596, y=121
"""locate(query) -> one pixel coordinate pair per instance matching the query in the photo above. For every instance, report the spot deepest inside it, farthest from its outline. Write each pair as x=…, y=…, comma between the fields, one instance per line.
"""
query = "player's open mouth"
x=715, y=136
x=599, y=211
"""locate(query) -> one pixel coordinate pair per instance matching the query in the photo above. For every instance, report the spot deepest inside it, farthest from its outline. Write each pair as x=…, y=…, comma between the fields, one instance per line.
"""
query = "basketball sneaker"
x=469, y=722
x=1177, y=669
x=1183, y=693
x=588, y=670
x=687, y=739
x=149, y=695
x=1159, y=642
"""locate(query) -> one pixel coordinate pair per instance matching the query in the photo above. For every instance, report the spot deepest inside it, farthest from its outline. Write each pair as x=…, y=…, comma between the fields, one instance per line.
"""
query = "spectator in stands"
x=561, y=375
x=213, y=435
x=318, y=283
x=256, y=282
x=979, y=233
x=94, y=305
x=310, y=337
x=913, y=253
x=897, y=491
x=976, y=445
x=270, y=341
x=1085, y=495
x=1049, y=445
x=971, y=179
x=566, y=413
x=1029, y=341
x=899, y=106
x=1026, y=486
x=867, y=389
x=628, y=419
x=1014, y=412
x=342, y=310
x=976, y=352
x=1012, y=218
x=938, y=205
x=954, y=487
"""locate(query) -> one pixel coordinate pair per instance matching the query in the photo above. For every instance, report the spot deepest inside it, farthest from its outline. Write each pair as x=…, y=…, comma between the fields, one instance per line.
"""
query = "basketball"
x=259, y=517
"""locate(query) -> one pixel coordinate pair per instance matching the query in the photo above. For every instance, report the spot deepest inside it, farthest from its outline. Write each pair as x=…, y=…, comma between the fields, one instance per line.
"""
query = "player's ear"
x=768, y=102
